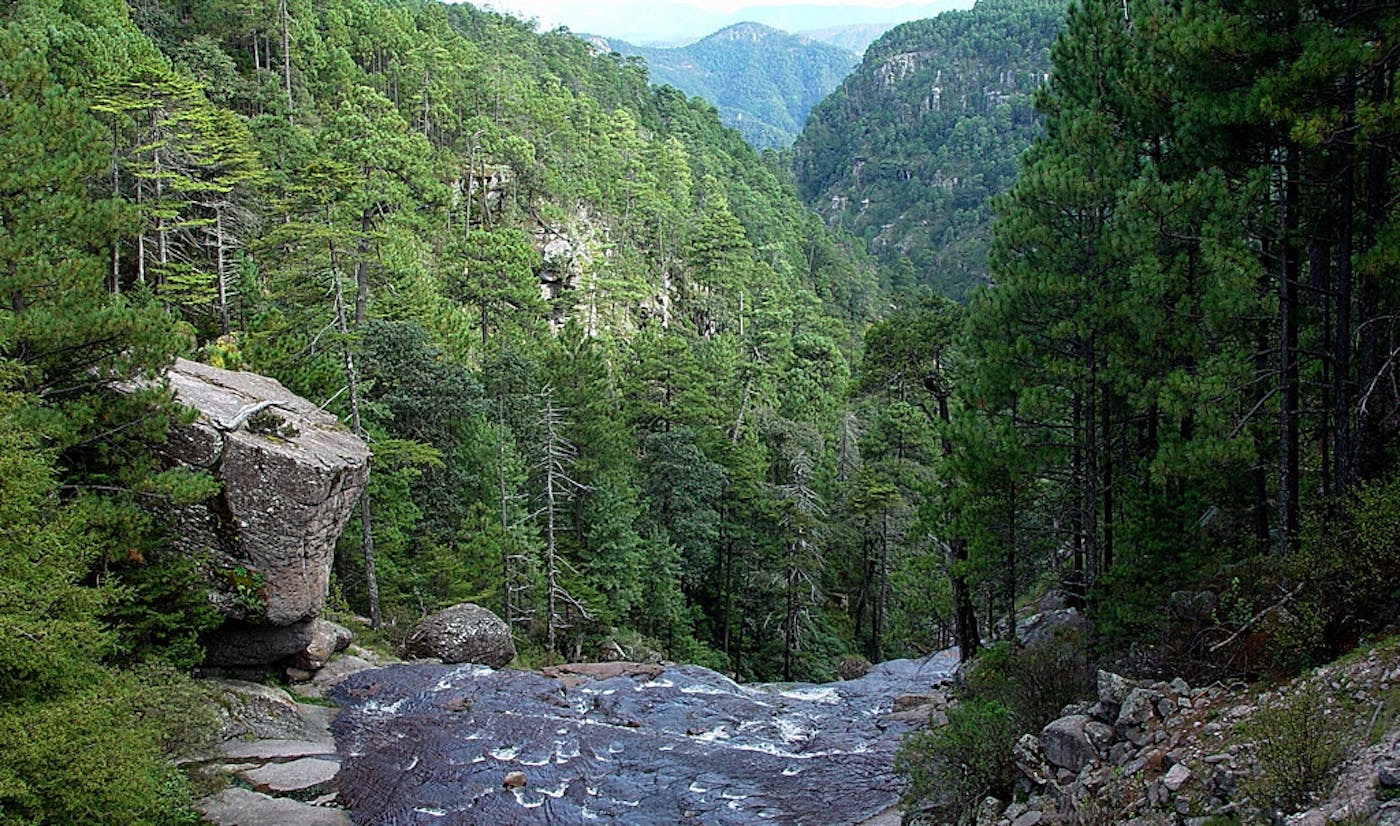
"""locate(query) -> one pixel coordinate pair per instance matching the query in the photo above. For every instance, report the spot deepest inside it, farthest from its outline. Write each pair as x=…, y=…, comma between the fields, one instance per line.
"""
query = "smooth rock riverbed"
x=432, y=744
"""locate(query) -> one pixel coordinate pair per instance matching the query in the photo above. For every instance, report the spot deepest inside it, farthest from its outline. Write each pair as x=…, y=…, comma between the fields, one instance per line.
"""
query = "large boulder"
x=289, y=476
x=464, y=633
x=326, y=638
x=1066, y=744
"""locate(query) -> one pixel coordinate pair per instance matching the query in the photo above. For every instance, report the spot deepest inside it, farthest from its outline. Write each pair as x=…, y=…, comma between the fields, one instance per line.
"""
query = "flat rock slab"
x=305, y=774
x=263, y=750
x=241, y=807
x=434, y=744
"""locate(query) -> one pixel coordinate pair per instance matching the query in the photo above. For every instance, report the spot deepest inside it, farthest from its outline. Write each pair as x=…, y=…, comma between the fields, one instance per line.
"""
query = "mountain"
x=668, y=23
x=763, y=81
x=908, y=150
x=853, y=38
x=802, y=17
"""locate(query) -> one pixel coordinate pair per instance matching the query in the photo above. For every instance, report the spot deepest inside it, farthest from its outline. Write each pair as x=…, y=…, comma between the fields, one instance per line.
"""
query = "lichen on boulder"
x=464, y=633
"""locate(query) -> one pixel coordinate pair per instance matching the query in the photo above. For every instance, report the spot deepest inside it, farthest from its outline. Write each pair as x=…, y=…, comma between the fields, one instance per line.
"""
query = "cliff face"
x=909, y=149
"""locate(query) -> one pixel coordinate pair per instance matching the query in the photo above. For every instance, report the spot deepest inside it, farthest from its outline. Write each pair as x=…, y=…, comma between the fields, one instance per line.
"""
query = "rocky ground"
x=1167, y=753
x=275, y=762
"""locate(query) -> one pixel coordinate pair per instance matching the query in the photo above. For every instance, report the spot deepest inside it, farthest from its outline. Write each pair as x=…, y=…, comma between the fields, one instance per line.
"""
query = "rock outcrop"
x=291, y=475
x=281, y=755
x=464, y=633
x=1152, y=752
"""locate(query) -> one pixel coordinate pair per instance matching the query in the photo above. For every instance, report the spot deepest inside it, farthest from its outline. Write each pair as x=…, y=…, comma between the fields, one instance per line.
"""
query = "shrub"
x=95, y=756
x=952, y=768
x=1299, y=740
x=1033, y=683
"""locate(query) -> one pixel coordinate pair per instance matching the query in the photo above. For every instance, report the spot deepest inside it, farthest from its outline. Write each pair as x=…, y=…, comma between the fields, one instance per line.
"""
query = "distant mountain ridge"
x=853, y=38
x=663, y=24
x=908, y=151
x=763, y=81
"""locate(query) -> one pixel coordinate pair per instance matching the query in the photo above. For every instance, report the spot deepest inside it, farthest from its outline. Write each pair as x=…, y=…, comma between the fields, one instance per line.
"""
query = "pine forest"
x=1098, y=297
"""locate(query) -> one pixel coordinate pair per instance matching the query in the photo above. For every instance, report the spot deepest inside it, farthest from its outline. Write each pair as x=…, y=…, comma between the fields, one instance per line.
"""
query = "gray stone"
x=331, y=674
x=1180, y=686
x=1137, y=707
x=989, y=811
x=1113, y=688
x=250, y=710
x=263, y=750
x=308, y=775
x=1065, y=743
x=1100, y=735
x=1030, y=760
x=1031, y=818
x=291, y=475
x=1166, y=707
x=241, y=807
x=465, y=633
x=1120, y=752
x=241, y=644
x=1042, y=628
x=326, y=638
x=1176, y=777
x=1388, y=776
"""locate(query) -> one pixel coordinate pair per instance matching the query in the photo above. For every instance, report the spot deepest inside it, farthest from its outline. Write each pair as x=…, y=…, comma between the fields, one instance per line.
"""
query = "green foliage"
x=952, y=768
x=1006, y=691
x=907, y=152
x=1034, y=682
x=1299, y=740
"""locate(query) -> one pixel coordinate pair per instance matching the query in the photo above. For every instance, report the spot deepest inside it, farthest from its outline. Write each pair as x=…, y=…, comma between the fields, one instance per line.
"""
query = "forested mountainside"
x=908, y=151
x=623, y=388
x=1182, y=392
x=763, y=81
x=600, y=350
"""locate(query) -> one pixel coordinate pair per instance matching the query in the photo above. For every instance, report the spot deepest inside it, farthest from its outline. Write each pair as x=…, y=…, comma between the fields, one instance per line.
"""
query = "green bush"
x=94, y=757
x=952, y=768
x=1298, y=741
x=1033, y=683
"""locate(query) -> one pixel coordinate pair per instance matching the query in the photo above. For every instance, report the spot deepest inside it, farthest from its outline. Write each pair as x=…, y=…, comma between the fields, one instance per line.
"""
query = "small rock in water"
x=514, y=780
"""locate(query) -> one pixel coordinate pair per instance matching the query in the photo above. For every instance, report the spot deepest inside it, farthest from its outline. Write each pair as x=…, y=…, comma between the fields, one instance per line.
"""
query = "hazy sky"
x=662, y=19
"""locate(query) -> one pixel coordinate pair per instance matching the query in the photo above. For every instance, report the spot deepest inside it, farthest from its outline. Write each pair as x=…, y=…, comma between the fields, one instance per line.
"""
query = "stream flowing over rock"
x=624, y=743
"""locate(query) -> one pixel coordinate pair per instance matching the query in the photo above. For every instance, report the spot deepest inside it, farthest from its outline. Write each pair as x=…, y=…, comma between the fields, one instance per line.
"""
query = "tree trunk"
x=1288, y=506
x=352, y=384
x=964, y=613
x=286, y=55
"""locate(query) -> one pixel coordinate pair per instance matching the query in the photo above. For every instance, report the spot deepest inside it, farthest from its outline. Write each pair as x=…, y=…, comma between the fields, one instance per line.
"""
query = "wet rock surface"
x=434, y=744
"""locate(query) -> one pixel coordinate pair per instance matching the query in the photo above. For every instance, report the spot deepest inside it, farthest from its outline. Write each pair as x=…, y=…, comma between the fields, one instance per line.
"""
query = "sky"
x=659, y=21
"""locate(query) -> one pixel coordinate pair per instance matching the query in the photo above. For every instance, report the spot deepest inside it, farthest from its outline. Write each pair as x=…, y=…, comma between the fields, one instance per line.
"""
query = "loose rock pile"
x=1151, y=752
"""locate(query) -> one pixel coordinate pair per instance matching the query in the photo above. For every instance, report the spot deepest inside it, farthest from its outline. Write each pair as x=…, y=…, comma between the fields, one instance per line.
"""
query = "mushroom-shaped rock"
x=290, y=474
x=464, y=633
